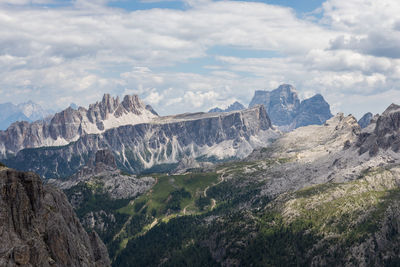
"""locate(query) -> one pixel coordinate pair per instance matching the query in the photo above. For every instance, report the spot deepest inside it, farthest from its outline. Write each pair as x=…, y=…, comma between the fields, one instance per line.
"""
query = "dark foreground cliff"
x=38, y=226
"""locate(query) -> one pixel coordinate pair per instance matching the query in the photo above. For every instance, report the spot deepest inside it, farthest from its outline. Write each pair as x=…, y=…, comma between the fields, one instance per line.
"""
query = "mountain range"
x=224, y=188
x=285, y=109
x=154, y=141
x=232, y=107
x=318, y=195
x=28, y=111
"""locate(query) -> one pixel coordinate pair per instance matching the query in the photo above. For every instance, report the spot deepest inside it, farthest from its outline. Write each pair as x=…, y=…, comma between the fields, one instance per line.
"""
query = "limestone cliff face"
x=281, y=104
x=69, y=125
x=38, y=226
x=313, y=111
x=164, y=140
x=382, y=133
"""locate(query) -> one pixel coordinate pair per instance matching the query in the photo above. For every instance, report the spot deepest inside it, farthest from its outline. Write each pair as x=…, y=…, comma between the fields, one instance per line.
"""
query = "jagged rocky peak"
x=165, y=140
x=314, y=110
x=383, y=133
x=365, y=120
x=150, y=108
x=40, y=228
x=110, y=105
x=70, y=124
x=286, y=111
x=232, y=107
x=281, y=104
x=133, y=104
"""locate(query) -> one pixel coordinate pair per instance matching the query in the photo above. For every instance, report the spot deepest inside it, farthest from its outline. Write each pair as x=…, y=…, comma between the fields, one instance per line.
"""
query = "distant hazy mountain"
x=28, y=111
x=10, y=113
x=365, y=120
x=286, y=111
x=73, y=106
x=34, y=111
x=233, y=107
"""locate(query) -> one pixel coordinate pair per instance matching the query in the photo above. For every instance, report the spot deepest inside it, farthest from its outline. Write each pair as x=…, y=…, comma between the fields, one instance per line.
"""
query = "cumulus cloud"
x=379, y=44
x=352, y=51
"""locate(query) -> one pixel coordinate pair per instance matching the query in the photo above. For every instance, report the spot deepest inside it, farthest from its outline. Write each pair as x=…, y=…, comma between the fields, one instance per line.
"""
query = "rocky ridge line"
x=69, y=125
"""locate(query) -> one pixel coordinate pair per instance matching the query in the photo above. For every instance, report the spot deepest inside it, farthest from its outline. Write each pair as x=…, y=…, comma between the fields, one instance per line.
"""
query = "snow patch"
x=113, y=122
x=128, y=119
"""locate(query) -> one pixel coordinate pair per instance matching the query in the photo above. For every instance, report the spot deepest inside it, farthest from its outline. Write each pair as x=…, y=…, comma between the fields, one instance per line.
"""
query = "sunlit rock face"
x=163, y=140
x=70, y=124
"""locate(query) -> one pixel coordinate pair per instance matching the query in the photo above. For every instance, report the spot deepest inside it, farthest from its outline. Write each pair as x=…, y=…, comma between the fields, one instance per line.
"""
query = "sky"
x=192, y=55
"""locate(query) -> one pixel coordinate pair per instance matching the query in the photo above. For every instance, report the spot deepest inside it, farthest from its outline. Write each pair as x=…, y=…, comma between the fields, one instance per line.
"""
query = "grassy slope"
x=322, y=223
x=158, y=198
x=171, y=196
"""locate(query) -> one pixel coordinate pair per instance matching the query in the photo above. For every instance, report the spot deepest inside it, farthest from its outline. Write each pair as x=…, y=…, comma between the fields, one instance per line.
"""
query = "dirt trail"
x=213, y=204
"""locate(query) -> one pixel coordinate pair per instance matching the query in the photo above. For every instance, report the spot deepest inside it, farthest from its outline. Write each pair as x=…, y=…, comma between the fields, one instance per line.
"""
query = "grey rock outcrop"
x=164, y=140
x=282, y=104
x=187, y=164
x=69, y=125
x=38, y=226
x=382, y=133
x=365, y=120
x=233, y=107
x=286, y=111
x=104, y=171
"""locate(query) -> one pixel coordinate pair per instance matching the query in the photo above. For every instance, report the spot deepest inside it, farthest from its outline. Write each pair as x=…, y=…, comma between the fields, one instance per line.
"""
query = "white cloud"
x=53, y=53
x=153, y=98
x=197, y=99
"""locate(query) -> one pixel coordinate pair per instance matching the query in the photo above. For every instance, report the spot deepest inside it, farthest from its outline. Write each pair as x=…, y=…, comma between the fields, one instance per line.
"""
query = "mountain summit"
x=286, y=111
x=138, y=138
x=28, y=111
x=233, y=107
x=70, y=124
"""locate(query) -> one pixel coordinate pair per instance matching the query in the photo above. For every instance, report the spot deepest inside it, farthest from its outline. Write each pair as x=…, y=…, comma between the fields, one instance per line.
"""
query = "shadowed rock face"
x=365, y=120
x=105, y=157
x=381, y=133
x=38, y=226
x=285, y=109
x=281, y=104
x=313, y=111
